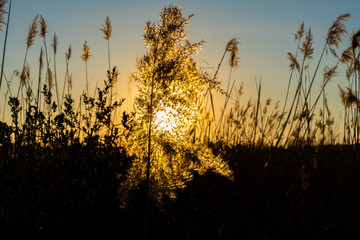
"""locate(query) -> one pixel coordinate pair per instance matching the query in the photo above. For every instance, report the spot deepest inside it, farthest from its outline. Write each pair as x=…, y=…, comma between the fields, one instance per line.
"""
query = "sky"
x=263, y=27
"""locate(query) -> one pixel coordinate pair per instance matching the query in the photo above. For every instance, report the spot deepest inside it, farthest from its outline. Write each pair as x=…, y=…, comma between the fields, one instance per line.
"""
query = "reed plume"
x=299, y=32
x=25, y=74
x=114, y=76
x=55, y=43
x=85, y=57
x=347, y=55
x=355, y=40
x=43, y=27
x=232, y=48
x=2, y=12
x=293, y=62
x=107, y=29
x=50, y=79
x=86, y=52
x=337, y=30
x=307, y=48
x=32, y=32
x=348, y=97
x=68, y=53
x=43, y=31
x=329, y=73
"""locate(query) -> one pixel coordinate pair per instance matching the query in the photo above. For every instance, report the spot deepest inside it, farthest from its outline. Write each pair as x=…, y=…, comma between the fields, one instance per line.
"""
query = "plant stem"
x=39, y=83
x=5, y=41
x=56, y=85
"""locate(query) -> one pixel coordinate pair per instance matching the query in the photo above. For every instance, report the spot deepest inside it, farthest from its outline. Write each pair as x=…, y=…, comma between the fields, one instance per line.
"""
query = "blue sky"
x=263, y=27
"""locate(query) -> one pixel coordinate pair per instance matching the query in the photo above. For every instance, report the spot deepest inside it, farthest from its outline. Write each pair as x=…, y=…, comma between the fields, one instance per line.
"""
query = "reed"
x=54, y=45
x=85, y=57
x=67, y=78
x=2, y=12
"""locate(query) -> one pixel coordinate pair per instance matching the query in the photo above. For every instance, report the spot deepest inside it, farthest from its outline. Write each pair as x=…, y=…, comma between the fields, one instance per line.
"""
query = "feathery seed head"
x=107, y=28
x=337, y=30
x=355, y=40
x=329, y=73
x=114, y=76
x=32, y=32
x=299, y=32
x=347, y=55
x=55, y=43
x=68, y=53
x=86, y=52
x=43, y=27
x=50, y=79
x=25, y=74
x=307, y=48
x=2, y=12
x=232, y=48
x=293, y=62
x=348, y=97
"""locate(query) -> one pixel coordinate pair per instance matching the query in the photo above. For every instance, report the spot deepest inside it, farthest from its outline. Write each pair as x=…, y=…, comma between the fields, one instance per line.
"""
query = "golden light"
x=166, y=120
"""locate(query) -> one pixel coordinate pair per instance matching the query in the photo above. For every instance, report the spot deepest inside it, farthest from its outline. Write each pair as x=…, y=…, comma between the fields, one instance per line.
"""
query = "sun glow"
x=166, y=120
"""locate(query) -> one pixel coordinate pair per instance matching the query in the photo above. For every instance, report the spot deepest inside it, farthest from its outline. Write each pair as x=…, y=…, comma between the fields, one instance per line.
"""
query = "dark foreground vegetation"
x=305, y=194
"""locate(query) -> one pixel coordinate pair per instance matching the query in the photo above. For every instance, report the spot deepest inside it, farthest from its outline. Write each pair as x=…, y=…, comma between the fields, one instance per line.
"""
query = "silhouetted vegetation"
x=171, y=169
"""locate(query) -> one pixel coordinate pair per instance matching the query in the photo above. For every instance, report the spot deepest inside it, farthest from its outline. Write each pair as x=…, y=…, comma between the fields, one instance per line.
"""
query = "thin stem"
x=323, y=119
x=257, y=111
x=39, y=83
x=5, y=41
x=87, y=84
x=56, y=85
x=209, y=90
x=65, y=80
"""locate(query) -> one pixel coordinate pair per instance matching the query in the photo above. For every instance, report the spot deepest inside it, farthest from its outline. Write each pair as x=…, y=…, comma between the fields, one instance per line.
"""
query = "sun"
x=166, y=120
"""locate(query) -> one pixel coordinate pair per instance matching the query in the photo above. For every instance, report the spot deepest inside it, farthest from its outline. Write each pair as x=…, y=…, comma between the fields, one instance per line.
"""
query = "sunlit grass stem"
x=40, y=74
x=67, y=77
x=258, y=87
x=54, y=45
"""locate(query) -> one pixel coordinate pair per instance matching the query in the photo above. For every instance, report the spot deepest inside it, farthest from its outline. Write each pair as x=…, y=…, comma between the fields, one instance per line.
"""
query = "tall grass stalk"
x=41, y=65
x=54, y=46
x=106, y=29
x=258, y=88
x=8, y=90
x=85, y=57
x=214, y=78
x=2, y=11
x=233, y=61
x=67, y=77
x=32, y=32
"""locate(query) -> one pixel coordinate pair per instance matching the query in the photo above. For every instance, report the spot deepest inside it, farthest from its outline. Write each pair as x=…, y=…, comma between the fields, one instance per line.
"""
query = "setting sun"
x=166, y=120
